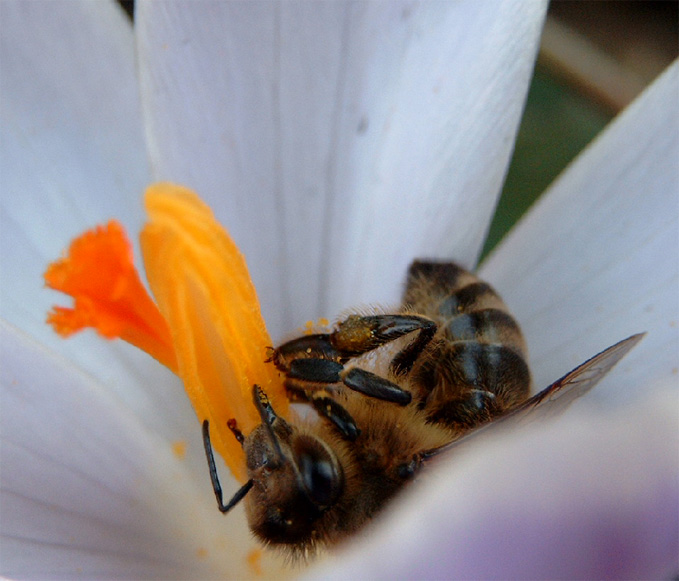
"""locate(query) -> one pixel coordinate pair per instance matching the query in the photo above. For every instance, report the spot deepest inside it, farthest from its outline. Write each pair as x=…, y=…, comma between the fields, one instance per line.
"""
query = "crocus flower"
x=337, y=142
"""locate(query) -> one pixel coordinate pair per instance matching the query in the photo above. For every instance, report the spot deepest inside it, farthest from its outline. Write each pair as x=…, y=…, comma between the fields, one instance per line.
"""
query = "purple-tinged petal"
x=594, y=495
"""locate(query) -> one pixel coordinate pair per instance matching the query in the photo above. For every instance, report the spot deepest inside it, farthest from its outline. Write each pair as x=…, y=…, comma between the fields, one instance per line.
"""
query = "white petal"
x=88, y=491
x=72, y=155
x=591, y=496
x=71, y=149
x=338, y=140
x=598, y=258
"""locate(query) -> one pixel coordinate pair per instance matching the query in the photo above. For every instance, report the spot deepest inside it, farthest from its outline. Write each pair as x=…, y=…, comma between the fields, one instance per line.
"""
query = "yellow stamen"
x=207, y=326
x=200, y=281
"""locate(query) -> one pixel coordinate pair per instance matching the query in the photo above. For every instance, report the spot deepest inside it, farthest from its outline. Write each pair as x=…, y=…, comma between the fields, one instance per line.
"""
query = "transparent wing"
x=554, y=399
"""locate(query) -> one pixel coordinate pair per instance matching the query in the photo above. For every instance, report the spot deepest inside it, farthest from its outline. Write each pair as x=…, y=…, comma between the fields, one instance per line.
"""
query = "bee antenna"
x=214, y=477
x=235, y=499
x=268, y=415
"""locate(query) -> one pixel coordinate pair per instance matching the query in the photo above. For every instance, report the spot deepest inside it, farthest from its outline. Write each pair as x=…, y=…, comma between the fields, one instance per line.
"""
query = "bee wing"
x=554, y=399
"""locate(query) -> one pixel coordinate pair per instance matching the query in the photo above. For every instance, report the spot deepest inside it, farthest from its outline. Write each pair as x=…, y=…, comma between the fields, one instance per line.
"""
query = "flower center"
x=207, y=326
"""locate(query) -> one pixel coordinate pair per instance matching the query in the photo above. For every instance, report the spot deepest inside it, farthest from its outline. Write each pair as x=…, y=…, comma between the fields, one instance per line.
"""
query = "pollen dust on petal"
x=320, y=326
x=254, y=560
x=179, y=449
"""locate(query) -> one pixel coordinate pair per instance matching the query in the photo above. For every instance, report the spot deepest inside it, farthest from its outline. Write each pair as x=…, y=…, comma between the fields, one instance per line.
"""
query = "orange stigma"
x=98, y=272
x=206, y=324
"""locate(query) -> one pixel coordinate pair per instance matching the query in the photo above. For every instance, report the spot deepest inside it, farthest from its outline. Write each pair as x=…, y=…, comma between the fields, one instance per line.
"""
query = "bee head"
x=296, y=478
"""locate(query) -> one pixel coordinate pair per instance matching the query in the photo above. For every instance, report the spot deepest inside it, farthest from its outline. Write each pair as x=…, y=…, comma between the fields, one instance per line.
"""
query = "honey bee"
x=451, y=362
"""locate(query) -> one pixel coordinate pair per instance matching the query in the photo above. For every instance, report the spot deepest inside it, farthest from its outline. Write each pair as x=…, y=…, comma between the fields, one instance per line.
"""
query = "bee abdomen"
x=475, y=369
x=463, y=366
x=489, y=326
x=465, y=308
x=445, y=290
x=472, y=297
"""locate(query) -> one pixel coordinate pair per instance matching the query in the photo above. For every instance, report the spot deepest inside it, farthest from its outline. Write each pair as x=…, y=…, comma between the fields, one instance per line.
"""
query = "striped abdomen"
x=475, y=368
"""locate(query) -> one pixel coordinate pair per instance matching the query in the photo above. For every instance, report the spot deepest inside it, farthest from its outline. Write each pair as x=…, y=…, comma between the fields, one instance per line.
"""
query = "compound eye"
x=320, y=474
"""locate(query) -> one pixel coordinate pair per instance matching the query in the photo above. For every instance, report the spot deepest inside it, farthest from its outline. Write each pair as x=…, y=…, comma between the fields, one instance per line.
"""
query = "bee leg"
x=321, y=371
x=357, y=335
x=214, y=477
x=269, y=417
x=338, y=416
x=403, y=362
x=326, y=407
x=375, y=386
x=306, y=375
x=316, y=346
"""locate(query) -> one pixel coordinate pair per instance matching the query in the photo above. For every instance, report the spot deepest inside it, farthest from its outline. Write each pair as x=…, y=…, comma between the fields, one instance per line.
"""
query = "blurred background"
x=595, y=57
